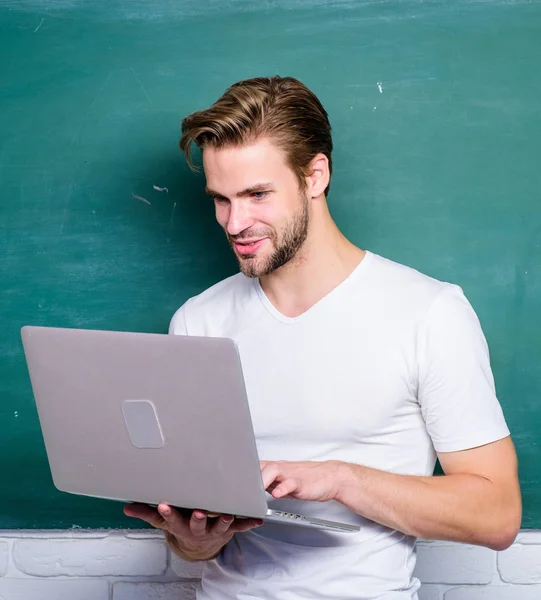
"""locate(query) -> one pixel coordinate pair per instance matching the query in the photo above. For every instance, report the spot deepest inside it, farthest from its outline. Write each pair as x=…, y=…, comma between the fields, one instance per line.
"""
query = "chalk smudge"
x=140, y=198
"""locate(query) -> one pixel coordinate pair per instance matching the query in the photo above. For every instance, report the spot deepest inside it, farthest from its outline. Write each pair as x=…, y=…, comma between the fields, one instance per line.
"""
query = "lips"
x=249, y=248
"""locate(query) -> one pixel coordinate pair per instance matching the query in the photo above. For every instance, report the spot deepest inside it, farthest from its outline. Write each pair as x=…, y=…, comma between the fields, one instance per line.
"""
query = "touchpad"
x=142, y=423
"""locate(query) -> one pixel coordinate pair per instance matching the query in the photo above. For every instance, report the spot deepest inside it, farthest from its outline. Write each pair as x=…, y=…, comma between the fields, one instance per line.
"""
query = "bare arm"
x=477, y=500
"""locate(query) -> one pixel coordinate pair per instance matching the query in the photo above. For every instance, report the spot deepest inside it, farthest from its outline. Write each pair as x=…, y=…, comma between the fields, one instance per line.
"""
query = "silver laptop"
x=141, y=417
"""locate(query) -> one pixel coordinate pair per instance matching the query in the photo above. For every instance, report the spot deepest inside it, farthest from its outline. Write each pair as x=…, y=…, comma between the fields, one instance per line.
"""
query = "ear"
x=318, y=180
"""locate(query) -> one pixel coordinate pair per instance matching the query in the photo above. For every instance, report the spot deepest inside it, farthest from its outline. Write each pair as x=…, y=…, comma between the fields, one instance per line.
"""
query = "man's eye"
x=220, y=200
x=259, y=195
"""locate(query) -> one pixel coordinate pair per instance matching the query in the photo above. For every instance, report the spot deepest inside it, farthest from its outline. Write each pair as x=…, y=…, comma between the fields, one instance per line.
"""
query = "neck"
x=326, y=259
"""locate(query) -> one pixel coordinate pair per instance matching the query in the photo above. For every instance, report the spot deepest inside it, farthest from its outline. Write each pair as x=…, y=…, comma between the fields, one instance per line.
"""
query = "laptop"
x=144, y=417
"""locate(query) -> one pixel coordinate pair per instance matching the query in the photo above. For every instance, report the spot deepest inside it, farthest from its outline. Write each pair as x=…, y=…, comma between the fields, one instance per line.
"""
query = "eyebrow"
x=258, y=187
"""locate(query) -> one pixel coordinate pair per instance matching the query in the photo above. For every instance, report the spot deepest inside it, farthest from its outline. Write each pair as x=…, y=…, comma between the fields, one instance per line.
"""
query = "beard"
x=286, y=246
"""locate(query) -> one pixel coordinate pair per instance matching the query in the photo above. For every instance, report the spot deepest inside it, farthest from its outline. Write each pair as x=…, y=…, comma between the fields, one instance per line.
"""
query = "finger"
x=223, y=523
x=145, y=513
x=270, y=488
x=174, y=521
x=270, y=474
x=288, y=486
x=198, y=523
x=241, y=525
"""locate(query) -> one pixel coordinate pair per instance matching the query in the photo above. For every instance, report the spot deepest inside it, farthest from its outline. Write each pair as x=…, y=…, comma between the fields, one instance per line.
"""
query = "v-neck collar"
x=292, y=320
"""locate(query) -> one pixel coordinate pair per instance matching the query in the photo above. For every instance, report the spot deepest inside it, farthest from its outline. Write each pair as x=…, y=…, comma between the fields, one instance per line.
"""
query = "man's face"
x=258, y=203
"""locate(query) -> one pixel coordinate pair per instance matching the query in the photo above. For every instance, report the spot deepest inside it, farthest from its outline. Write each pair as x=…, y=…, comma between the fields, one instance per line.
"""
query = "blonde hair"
x=281, y=109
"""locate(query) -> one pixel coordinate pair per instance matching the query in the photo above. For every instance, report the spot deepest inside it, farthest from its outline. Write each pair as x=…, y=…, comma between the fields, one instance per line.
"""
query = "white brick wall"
x=462, y=572
x=4, y=557
x=111, y=556
x=136, y=565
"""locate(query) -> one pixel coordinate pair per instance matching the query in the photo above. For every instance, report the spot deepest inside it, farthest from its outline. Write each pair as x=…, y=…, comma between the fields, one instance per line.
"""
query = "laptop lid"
x=146, y=417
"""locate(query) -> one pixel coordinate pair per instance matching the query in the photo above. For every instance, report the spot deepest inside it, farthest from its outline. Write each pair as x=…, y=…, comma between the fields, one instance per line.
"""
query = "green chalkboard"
x=435, y=108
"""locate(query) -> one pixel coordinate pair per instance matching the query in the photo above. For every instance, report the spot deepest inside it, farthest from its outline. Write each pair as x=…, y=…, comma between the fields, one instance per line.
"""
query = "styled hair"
x=281, y=109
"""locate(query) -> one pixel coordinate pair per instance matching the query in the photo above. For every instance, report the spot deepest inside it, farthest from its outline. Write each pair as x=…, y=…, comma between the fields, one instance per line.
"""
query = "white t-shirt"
x=386, y=369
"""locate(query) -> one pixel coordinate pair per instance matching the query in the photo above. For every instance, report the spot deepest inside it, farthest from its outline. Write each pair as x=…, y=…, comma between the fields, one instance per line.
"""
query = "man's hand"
x=477, y=501
x=310, y=480
x=193, y=537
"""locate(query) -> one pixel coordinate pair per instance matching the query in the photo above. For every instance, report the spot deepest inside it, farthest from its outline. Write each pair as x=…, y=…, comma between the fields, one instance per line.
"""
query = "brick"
x=154, y=591
x=55, y=534
x=144, y=534
x=4, y=554
x=115, y=556
x=529, y=537
x=186, y=569
x=430, y=592
x=520, y=564
x=494, y=592
x=39, y=589
x=454, y=564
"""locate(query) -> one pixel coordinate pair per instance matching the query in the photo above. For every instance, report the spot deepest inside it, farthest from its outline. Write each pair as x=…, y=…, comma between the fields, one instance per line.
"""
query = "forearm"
x=458, y=507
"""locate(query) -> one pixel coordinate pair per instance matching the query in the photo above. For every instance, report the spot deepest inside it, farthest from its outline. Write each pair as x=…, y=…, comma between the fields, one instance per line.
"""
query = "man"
x=359, y=372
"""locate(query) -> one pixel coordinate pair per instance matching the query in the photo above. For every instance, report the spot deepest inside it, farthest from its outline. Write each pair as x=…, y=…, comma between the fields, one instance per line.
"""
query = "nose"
x=239, y=218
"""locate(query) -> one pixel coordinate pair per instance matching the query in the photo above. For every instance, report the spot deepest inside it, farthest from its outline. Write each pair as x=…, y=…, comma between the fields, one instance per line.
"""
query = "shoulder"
x=439, y=311
x=216, y=303
x=397, y=285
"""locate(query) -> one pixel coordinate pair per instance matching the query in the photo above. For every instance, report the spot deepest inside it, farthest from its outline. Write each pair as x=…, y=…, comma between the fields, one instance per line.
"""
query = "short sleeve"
x=456, y=386
x=178, y=325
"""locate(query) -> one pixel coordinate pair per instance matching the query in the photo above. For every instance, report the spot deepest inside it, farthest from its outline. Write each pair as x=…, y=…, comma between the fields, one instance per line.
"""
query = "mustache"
x=249, y=235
